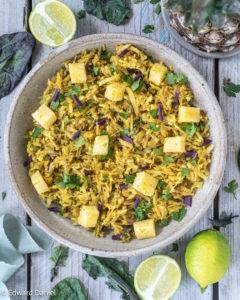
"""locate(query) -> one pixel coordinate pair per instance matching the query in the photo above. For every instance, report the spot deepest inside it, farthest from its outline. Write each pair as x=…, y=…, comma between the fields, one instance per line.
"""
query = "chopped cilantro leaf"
x=173, y=78
x=169, y=159
x=69, y=181
x=79, y=142
x=142, y=210
x=185, y=172
x=129, y=178
x=166, y=195
x=148, y=28
x=190, y=129
x=230, y=88
x=178, y=216
x=153, y=113
x=158, y=151
x=154, y=127
x=231, y=188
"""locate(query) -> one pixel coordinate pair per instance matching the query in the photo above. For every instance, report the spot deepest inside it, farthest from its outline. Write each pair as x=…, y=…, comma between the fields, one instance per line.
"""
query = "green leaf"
x=185, y=172
x=54, y=105
x=231, y=89
x=153, y=113
x=125, y=131
x=173, y=78
x=79, y=142
x=169, y=159
x=15, y=53
x=158, y=9
x=164, y=223
x=231, y=188
x=105, y=55
x=158, y=151
x=166, y=195
x=154, y=1
x=193, y=161
x=124, y=115
x=190, y=129
x=36, y=132
x=137, y=85
x=113, y=69
x=148, y=28
x=81, y=14
x=115, y=272
x=96, y=71
x=69, y=288
x=73, y=90
x=178, y=216
x=142, y=210
x=59, y=257
x=69, y=182
x=129, y=178
x=162, y=184
x=4, y=194
x=154, y=127
x=112, y=11
x=107, y=156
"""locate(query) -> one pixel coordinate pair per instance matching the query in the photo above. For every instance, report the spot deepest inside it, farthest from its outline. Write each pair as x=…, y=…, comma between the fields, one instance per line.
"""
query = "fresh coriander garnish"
x=107, y=156
x=173, y=78
x=162, y=184
x=143, y=208
x=129, y=178
x=136, y=85
x=169, y=159
x=69, y=182
x=154, y=127
x=105, y=55
x=59, y=257
x=153, y=113
x=36, y=132
x=231, y=188
x=154, y=1
x=178, y=216
x=224, y=220
x=113, y=69
x=166, y=195
x=185, y=172
x=81, y=14
x=164, y=223
x=190, y=129
x=193, y=161
x=73, y=90
x=124, y=115
x=54, y=105
x=148, y=28
x=79, y=142
x=125, y=131
x=96, y=71
x=230, y=88
x=158, y=151
x=4, y=194
x=158, y=9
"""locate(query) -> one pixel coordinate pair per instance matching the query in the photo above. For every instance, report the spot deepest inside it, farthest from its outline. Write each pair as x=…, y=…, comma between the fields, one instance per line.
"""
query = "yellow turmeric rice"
x=118, y=146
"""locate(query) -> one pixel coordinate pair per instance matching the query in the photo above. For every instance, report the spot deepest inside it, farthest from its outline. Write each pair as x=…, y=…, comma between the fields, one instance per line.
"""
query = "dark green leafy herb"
x=175, y=247
x=230, y=88
x=173, y=78
x=15, y=53
x=164, y=223
x=54, y=105
x=154, y=1
x=148, y=28
x=178, y=216
x=190, y=129
x=124, y=115
x=231, y=188
x=192, y=161
x=162, y=184
x=113, y=69
x=169, y=159
x=107, y=156
x=185, y=172
x=4, y=194
x=112, y=11
x=96, y=71
x=129, y=178
x=81, y=14
x=158, y=9
x=105, y=55
x=158, y=151
x=79, y=142
x=143, y=208
x=136, y=85
x=115, y=271
x=32, y=135
x=69, y=182
x=153, y=113
x=224, y=220
x=69, y=288
x=166, y=195
x=125, y=131
x=59, y=257
x=154, y=127
x=73, y=90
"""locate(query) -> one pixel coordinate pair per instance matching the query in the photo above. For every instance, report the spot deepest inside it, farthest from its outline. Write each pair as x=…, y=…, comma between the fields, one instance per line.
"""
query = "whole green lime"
x=207, y=257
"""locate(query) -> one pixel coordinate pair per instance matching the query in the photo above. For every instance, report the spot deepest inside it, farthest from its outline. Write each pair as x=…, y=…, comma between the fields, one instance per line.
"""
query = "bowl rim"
x=51, y=231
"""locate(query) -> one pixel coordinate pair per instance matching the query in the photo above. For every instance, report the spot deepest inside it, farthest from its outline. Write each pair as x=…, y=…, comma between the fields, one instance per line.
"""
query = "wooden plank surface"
x=11, y=20
x=229, y=68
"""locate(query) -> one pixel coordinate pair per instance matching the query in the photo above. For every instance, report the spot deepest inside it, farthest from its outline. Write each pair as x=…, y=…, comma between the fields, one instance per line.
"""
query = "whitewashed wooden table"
x=35, y=274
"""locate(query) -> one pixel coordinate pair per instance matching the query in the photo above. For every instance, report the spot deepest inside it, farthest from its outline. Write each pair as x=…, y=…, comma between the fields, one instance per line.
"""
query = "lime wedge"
x=52, y=23
x=157, y=278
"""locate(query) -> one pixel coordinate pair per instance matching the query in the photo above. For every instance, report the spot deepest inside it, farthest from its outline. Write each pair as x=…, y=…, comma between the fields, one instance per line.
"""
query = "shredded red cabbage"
x=102, y=121
x=160, y=112
x=206, y=142
x=176, y=97
x=187, y=200
x=77, y=101
x=88, y=172
x=191, y=154
x=100, y=207
x=116, y=237
x=123, y=53
x=55, y=95
x=75, y=135
x=27, y=162
x=54, y=209
x=123, y=186
x=144, y=168
x=127, y=139
x=136, y=201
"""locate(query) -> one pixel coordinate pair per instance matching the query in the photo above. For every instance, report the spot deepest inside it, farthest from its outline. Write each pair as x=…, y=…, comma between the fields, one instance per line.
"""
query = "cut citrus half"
x=157, y=278
x=52, y=23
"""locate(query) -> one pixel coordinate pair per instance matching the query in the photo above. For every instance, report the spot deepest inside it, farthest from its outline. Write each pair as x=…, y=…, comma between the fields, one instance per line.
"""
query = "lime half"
x=157, y=278
x=52, y=23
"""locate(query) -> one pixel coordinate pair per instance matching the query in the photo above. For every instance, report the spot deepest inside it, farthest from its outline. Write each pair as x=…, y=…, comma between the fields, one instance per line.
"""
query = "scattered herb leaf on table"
x=15, y=53
x=231, y=188
x=148, y=28
x=230, y=88
x=112, y=11
x=69, y=288
x=117, y=275
x=224, y=220
x=59, y=257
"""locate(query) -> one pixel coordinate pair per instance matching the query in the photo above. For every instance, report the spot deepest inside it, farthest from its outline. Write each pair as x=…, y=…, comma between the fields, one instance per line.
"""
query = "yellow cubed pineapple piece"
x=44, y=116
x=115, y=91
x=145, y=184
x=78, y=73
x=188, y=114
x=88, y=216
x=144, y=229
x=100, y=146
x=174, y=144
x=158, y=73
x=39, y=183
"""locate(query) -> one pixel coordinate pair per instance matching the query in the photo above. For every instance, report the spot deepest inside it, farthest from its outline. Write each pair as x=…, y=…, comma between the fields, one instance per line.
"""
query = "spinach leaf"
x=15, y=53
x=142, y=210
x=107, y=156
x=59, y=257
x=112, y=11
x=117, y=275
x=70, y=288
x=169, y=159
x=224, y=220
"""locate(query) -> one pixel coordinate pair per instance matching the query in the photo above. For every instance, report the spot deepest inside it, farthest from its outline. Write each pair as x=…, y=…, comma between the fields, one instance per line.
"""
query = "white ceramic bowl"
x=20, y=121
